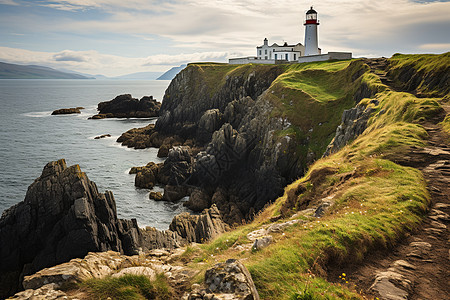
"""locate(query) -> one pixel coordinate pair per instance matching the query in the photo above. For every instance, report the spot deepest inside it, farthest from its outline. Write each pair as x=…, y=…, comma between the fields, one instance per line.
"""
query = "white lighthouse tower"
x=311, y=41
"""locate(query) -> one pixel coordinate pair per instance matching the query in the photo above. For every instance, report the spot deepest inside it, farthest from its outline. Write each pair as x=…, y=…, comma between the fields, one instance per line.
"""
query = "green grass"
x=446, y=123
x=376, y=202
x=428, y=65
x=129, y=287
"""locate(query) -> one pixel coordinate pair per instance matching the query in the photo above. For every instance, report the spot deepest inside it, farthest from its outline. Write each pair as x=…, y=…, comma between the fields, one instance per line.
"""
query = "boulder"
x=228, y=280
x=102, y=136
x=63, y=216
x=174, y=193
x=178, y=166
x=210, y=121
x=146, y=177
x=125, y=106
x=67, y=111
x=199, y=228
x=156, y=196
x=198, y=200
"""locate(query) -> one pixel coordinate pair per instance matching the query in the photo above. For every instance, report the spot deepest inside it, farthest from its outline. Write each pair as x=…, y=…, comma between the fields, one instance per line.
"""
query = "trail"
x=418, y=267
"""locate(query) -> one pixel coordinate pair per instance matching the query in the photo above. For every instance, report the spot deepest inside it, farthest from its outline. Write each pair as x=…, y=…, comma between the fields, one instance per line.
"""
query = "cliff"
x=253, y=128
x=368, y=220
x=64, y=216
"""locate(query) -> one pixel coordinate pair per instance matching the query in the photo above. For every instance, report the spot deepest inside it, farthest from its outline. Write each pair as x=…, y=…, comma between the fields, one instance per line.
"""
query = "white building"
x=275, y=53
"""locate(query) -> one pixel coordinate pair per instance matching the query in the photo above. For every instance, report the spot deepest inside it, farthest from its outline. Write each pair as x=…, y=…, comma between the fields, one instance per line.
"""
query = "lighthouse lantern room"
x=311, y=40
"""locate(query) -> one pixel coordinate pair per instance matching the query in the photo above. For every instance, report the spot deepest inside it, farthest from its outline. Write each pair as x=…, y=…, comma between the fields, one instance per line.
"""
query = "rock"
x=199, y=228
x=157, y=196
x=178, y=167
x=210, y=121
x=67, y=111
x=146, y=271
x=384, y=286
x=124, y=106
x=262, y=242
x=62, y=217
x=104, y=264
x=163, y=151
x=230, y=278
x=146, y=177
x=174, y=193
x=198, y=200
x=354, y=122
x=102, y=136
x=157, y=239
x=419, y=249
x=139, y=138
x=47, y=292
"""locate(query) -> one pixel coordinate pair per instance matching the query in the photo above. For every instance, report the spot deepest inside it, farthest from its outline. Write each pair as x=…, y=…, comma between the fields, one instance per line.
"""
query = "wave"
x=38, y=114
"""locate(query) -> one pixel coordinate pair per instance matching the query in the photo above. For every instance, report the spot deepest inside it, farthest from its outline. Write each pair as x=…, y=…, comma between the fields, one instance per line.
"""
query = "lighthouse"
x=311, y=41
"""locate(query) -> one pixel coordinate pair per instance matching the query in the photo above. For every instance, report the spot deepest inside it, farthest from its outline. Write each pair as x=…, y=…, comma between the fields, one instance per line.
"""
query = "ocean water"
x=30, y=137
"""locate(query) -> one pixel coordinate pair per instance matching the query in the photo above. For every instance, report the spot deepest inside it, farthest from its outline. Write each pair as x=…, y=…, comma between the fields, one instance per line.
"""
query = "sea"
x=30, y=137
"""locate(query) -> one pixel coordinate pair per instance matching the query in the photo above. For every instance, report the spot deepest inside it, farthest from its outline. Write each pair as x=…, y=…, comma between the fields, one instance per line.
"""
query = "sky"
x=117, y=37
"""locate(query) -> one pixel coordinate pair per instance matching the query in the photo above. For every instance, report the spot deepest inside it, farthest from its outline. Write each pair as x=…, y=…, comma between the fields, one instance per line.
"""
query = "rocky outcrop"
x=199, y=228
x=189, y=97
x=227, y=280
x=46, y=283
x=354, y=122
x=102, y=136
x=67, y=111
x=146, y=177
x=63, y=216
x=247, y=144
x=125, y=106
x=198, y=200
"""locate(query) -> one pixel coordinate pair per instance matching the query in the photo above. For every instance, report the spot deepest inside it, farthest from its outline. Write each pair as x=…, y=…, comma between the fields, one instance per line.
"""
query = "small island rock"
x=67, y=111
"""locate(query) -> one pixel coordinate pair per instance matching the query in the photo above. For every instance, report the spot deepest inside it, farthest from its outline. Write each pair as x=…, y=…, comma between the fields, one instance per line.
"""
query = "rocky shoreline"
x=64, y=216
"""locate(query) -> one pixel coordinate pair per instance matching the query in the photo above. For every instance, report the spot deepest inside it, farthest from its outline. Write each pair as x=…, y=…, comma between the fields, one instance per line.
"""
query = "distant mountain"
x=169, y=75
x=13, y=71
x=139, y=76
x=98, y=76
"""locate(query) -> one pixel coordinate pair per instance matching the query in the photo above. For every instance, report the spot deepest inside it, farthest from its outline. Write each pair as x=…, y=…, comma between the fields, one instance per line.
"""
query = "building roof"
x=311, y=11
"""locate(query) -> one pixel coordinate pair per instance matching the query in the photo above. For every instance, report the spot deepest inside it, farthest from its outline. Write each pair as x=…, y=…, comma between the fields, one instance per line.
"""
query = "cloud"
x=68, y=55
x=9, y=2
x=93, y=62
x=443, y=46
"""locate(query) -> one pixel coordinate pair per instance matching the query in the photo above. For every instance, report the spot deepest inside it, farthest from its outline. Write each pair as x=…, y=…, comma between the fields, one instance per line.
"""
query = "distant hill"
x=13, y=71
x=139, y=76
x=169, y=75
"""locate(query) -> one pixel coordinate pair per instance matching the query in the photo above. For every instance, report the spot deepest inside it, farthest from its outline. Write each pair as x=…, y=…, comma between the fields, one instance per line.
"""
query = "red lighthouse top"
x=311, y=17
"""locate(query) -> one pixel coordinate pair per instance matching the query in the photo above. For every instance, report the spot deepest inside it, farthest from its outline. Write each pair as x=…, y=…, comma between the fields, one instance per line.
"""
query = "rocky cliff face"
x=354, y=122
x=246, y=130
x=64, y=216
x=194, y=99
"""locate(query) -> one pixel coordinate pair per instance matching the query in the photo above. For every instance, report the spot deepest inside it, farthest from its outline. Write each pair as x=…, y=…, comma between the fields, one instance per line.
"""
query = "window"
x=265, y=57
x=276, y=56
x=265, y=51
x=295, y=56
x=260, y=52
x=287, y=56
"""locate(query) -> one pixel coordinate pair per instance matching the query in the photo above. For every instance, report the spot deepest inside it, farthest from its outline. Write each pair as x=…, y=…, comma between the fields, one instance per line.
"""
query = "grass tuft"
x=129, y=287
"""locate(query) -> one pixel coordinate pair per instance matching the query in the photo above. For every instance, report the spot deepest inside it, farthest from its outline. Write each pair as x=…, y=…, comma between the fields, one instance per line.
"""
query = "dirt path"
x=419, y=267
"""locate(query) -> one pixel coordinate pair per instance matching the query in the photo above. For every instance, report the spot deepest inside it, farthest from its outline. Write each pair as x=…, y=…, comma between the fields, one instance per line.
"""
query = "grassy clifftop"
x=368, y=201
x=374, y=201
